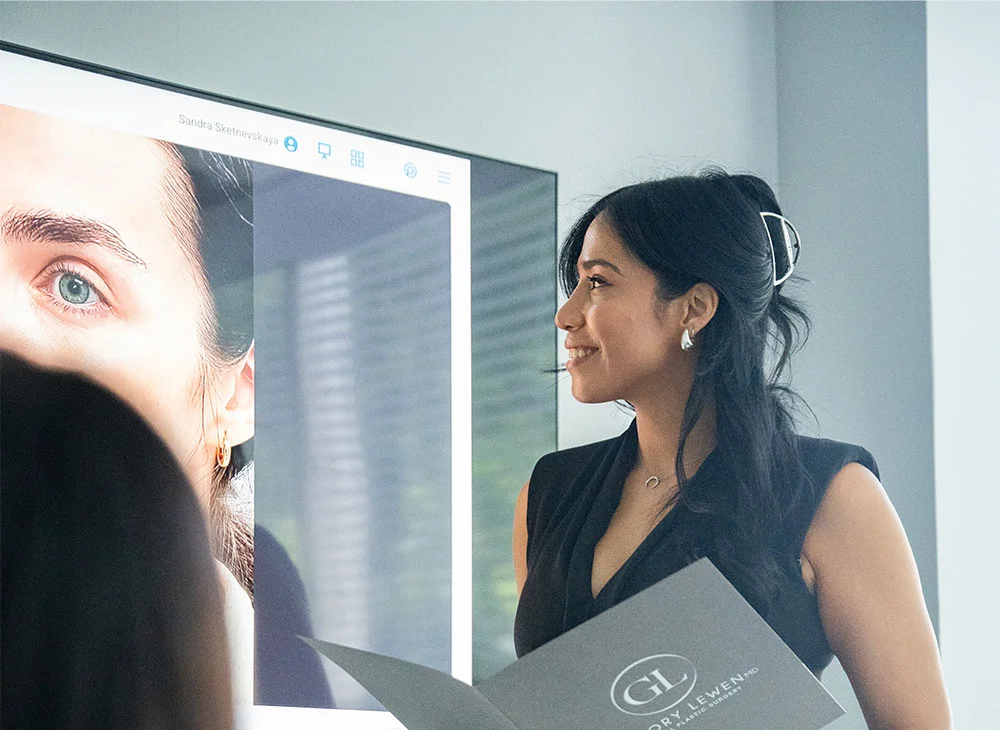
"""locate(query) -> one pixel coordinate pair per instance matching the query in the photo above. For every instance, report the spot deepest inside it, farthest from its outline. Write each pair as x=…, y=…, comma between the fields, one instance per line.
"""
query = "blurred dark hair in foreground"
x=112, y=610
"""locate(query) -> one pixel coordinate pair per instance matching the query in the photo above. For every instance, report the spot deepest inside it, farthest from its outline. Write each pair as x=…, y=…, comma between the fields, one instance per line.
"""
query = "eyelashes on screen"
x=73, y=289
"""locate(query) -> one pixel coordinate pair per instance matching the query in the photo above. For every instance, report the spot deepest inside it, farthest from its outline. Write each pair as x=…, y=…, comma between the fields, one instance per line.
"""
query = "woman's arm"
x=859, y=563
x=521, y=538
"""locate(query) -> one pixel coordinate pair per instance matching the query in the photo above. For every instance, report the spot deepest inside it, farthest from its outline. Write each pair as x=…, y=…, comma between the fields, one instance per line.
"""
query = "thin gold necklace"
x=653, y=481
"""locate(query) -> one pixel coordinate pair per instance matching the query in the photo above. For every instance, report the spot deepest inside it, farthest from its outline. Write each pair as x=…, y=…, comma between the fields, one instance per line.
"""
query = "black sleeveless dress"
x=572, y=497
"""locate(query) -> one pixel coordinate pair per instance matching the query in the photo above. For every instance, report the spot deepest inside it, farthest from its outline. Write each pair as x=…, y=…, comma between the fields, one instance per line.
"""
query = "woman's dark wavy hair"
x=707, y=228
x=111, y=610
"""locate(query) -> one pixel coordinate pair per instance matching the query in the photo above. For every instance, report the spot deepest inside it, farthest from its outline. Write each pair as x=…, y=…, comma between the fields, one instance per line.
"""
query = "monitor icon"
x=324, y=150
x=291, y=144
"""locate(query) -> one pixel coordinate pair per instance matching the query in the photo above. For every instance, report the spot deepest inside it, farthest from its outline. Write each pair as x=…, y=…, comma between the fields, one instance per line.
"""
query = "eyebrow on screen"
x=44, y=226
x=591, y=263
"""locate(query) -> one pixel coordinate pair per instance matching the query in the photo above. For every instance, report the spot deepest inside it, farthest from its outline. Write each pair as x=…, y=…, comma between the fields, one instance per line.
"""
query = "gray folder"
x=687, y=652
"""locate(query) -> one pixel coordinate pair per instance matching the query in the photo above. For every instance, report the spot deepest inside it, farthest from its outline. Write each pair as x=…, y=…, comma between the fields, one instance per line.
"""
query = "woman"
x=111, y=609
x=676, y=307
x=111, y=248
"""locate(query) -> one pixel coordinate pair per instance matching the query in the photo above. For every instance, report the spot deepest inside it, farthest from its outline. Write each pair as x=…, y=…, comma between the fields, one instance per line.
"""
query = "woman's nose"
x=569, y=316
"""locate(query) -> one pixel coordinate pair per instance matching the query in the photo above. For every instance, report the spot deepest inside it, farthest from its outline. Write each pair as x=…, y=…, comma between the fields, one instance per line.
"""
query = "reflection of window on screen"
x=513, y=398
x=353, y=444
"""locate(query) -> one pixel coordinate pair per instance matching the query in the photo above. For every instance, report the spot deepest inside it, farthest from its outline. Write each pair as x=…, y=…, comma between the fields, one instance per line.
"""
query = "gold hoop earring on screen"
x=223, y=452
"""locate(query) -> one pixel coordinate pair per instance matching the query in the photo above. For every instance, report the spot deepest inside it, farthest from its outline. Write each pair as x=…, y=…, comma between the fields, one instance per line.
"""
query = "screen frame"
x=255, y=106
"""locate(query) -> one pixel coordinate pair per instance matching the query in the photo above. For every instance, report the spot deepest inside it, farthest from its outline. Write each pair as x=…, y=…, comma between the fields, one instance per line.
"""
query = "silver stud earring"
x=687, y=342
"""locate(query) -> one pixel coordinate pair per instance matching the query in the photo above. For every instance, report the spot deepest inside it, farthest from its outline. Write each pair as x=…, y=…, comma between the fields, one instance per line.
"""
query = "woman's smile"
x=577, y=355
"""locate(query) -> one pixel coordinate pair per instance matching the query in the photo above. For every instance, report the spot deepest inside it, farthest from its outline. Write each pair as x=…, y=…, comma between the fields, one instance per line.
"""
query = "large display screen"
x=345, y=338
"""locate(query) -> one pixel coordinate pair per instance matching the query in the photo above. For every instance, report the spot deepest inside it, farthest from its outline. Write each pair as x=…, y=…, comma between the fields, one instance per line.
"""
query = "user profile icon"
x=410, y=170
x=324, y=150
x=291, y=144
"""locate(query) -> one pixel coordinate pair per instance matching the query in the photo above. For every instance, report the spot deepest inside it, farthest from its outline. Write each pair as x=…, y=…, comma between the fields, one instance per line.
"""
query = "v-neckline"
x=616, y=479
x=642, y=547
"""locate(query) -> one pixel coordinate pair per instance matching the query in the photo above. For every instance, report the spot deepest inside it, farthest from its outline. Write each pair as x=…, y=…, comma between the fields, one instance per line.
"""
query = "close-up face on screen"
x=306, y=319
x=105, y=273
x=130, y=261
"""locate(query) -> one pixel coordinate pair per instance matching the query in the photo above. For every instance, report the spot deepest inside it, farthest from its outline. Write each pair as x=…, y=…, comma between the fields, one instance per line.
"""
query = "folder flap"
x=419, y=697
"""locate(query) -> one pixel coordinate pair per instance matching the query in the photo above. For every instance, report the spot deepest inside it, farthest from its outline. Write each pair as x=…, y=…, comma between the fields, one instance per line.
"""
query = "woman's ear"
x=236, y=391
x=702, y=301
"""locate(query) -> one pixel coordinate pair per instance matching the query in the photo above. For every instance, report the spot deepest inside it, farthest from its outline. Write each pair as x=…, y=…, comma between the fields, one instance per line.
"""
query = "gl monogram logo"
x=653, y=684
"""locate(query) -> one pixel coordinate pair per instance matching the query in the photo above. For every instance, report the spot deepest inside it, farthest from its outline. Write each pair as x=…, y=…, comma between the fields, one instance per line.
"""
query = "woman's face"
x=623, y=340
x=93, y=276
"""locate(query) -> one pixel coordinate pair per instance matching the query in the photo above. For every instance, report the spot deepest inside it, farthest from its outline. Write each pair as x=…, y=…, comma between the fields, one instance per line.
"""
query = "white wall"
x=599, y=92
x=852, y=152
x=963, y=89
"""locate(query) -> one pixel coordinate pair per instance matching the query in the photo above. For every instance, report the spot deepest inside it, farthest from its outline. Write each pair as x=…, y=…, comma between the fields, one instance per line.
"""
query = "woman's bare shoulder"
x=872, y=606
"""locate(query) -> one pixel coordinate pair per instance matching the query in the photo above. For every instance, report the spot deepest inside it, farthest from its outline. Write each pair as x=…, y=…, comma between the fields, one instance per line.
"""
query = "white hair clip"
x=788, y=251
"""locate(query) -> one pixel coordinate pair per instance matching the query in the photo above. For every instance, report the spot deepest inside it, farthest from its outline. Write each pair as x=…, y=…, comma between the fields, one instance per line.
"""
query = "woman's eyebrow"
x=591, y=263
x=45, y=226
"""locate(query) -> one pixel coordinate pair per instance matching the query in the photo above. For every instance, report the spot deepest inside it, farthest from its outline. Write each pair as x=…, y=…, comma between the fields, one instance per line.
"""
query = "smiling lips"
x=576, y=354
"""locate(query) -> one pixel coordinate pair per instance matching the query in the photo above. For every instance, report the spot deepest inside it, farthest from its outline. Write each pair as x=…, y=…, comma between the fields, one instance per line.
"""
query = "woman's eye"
x=76, y=290
x=72, y=289
x=596, y=282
